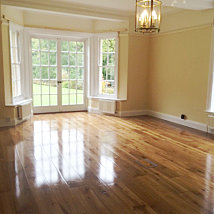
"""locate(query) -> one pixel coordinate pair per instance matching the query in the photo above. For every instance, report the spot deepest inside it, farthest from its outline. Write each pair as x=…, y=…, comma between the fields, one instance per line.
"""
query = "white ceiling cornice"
x=190, y=4
x=70, y=8
x=113, y=10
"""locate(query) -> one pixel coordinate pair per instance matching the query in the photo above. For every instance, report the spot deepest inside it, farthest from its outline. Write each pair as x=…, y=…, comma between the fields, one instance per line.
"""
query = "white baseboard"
x=94, y=110
x=132, y=113
x=210, y=130
x=7, y=123
x=188, y=123
x=121, y=113
x=177, y=120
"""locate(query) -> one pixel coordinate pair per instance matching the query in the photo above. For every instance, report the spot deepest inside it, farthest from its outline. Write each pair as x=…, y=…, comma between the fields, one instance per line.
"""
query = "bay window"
x=16, y=36
x=107, y=66
x=104, y=74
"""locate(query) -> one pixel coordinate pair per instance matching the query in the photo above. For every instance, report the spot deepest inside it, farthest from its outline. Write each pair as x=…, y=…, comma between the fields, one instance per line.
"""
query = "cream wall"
x=167, y=73
x=72, y=23
x=7, y=13
x=57, y=21
x=185, y=19
x=6, y=113
x=138, y=70
x=178, y=77
x=123, y=64
x=2, y=100
x=133, y=74
x=13, y=14
x=6, y=63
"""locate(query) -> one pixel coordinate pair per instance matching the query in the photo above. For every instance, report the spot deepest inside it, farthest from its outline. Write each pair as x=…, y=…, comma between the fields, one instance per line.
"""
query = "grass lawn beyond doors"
x=44, y=97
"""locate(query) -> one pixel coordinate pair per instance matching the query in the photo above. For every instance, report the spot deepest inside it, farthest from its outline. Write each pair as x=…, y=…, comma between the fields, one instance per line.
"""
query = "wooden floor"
x=79, y=163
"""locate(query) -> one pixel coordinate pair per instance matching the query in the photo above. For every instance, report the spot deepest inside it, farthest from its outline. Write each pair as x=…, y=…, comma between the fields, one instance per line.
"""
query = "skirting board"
x=132, y=113
x=5, y=123
x=93, y=110
x=188, y=123
x=121, y=113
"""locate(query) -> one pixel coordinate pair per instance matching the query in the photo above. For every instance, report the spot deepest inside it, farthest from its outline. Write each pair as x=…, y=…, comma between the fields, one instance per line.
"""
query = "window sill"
x=106, y=98
x=209, y=111
x=19, y=103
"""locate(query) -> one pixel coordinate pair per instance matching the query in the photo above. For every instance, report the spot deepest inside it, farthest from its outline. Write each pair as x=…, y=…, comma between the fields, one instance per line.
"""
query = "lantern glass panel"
x=148, y=17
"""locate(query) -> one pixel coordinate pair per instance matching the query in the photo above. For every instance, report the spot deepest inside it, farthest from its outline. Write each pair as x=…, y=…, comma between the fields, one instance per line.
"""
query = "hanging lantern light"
x=148, y=16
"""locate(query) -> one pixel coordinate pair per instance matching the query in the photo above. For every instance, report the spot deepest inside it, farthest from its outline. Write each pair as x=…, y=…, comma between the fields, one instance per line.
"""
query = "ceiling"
x=105, y=9
x=129, y=5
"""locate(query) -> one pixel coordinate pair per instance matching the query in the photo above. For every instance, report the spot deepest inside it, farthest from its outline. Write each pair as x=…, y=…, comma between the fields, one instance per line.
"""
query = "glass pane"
x=18, y=87
x=13, y=39
x=110, y=87
x=80, y=73
x=14, y=55
x=104, y=44
x=110, y=74
x=111, y=60
x=53, y=87
x=18, y=72
x=65, y=73
x=44, y=58
x=13, y=88
x=72, y=59
x=52, y=45
x=35, y=44
x=64, y=58
x=53, y=100
x=80, y=59
x=73, y=86
x=80, y=99
x=45, y=100
x=73, y=73
x=65, y=87
x=44, y=72
x=35, y=57
x=36, y=72
x=80, y=47
x=37, y=100
x=72, y=99
x=104, y=62
x=43, y=44
x=102, y=87
x=36, y=87
x=111, y=45
x=13, y=72
x=53, y=72
x=52, y=58
x=80, y=87
x=72, y=46
x=65, y=99
x=64, y=46
x=45, y=87
x=103, y=73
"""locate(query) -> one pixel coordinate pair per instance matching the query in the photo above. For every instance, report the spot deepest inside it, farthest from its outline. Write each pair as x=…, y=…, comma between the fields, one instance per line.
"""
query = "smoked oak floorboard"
x=81, y=163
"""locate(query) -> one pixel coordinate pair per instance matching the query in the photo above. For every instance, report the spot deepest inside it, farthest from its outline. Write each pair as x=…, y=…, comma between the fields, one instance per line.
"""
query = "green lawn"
x=46, y=99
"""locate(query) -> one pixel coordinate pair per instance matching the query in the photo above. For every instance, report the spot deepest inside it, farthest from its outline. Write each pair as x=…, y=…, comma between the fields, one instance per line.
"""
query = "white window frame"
x=18, y=29
x=210, y=94
x=59, y=35
x=96, y=64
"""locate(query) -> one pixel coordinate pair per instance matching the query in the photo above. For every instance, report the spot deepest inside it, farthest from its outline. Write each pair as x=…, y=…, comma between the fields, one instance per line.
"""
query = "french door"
x=58, y=74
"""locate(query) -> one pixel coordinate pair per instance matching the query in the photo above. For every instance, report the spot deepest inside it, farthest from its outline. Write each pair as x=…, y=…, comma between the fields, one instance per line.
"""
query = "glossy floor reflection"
x=87, y=163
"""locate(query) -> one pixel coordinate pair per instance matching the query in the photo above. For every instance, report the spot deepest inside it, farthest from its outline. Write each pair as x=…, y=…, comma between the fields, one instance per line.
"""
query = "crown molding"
x=190, y=4
x=70, y=8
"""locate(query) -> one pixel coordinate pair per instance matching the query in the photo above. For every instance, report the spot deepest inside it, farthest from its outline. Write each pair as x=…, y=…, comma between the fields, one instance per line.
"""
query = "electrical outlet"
x=183, y=117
